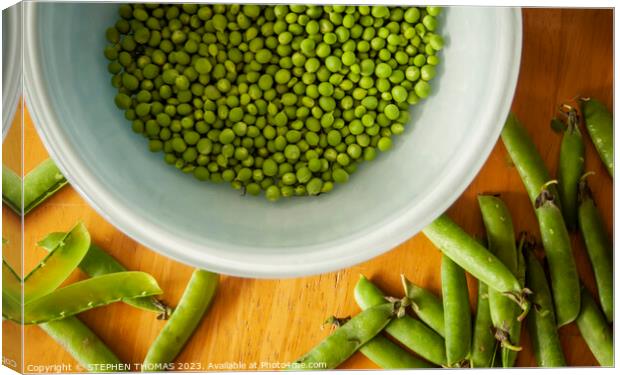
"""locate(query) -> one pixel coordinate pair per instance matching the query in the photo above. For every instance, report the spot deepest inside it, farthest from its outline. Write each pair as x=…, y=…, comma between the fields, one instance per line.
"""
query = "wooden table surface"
x=565, y=53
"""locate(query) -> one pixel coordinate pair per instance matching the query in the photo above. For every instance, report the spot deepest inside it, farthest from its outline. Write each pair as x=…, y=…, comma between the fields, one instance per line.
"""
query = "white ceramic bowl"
x=211, y=226
x=11, y=63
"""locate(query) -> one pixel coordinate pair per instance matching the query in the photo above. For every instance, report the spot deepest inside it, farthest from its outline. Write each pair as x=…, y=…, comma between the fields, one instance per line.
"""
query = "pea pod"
x=599, y=123
x=56, y=267
x=599, y=247
x=41, y=183
x=412, y=333
x=83, y=345
x=484, y=345
x=595, y=331
x=501, y=240
x=526, y=159
x=90, y=293
x=562, y=267
x=183, y=322
x=347, y=339
x=98, y=262
x=11, y=189
x=541, y=322
x=427, y=306
x=387, y=355
x=470, y=255
x=570, y=169
x=457, y=316
x=11, y=294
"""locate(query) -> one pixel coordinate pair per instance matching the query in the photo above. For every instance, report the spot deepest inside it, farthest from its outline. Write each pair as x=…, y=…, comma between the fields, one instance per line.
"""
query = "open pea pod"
x=90, y=293
x=11, y=189
x=52, y=271
x=41, y=183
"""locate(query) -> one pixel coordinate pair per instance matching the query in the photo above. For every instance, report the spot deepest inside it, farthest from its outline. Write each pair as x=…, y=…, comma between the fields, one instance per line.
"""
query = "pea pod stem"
x=599, y=123
x=570, y=168
x=484, y=345
x=412, y=333
x=457, y=316
x=11, y=189
x=90, y=293
x=387, y=355
x=562, y=267
x=347, y=339
x=426, y=305
x=98, y=262
x=541, y=321
x=501, y=239
x=470, y=255
x=599, y=248
x=83, y=345
x=56, y=267
x=595, y=331
x=184, y=320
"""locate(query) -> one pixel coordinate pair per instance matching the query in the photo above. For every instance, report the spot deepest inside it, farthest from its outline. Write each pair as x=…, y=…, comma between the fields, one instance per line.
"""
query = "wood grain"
x=565, y=53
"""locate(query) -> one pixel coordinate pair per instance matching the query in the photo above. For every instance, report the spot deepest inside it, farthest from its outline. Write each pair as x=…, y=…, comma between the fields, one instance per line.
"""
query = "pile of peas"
x=285, y=99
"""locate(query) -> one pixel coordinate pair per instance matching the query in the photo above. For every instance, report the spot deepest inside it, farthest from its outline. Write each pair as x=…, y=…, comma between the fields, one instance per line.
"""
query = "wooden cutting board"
x=266, y=322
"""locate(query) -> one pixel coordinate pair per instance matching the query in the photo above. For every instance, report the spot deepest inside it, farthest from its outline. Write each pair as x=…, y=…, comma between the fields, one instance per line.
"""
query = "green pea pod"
x=570, y=169
x=599, y=123
x=484, y=344
x=90, y=293
x=526, y=159
x=83, y=345
x=427, y=306
x=470, y=255
x=562, y=267
x=412, y=333
x=595, y=330
x=11, y=294
x=41, y=183
x=11, y=189
x=387, y=355
x=457, y=315
x=183, y=322
x=501, y=239
x=346, y=340
x=599, y=247
x=98, y=262
x=541, y=321
x=52, y=271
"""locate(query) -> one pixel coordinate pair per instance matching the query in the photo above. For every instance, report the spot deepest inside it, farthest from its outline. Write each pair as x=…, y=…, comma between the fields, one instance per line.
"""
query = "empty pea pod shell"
x=83, y=345
x=40, y=183
x=56, y=267
x=409, y=331
x=98, y=262
x=11, y=189
x=457, y=315
x=599, y=123
x=347, y=339
x=426, y=305
x=90, y=293
x=595, y=330
x=387, y=355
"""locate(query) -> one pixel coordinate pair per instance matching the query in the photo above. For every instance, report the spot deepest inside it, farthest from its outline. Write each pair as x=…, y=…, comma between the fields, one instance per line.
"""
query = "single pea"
x=384, y=144
x=383, y=70
x=391, y=111
x=313, y=187
x=422, y=89
x=427, y=72
x=272, y=193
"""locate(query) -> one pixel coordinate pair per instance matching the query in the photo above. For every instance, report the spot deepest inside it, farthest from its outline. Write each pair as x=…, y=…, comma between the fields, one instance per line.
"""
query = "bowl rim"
x=320, y=259
x=12, y=83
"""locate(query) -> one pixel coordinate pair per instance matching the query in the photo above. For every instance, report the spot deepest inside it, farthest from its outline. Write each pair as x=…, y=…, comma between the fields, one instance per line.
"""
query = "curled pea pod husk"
x=56, y=267
x=562, y=267
x=387, y=355
x=11, y=294
x=570, y=169
x=595, y=330
x=409, y=331
x=540, y=321
x=41, y=183
x=484, y=345
x=501, y=241
x=457, y=315
x=526, y=159
x=83, y=345
x=187, y=315
x=474, y=258
x=599, y=247
x=98, y=262
x=11, y=189
x=346, y=339
x=90, y=293
x=426, y=305
x=599, y=123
